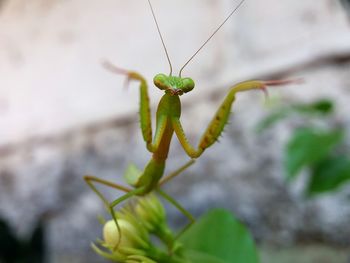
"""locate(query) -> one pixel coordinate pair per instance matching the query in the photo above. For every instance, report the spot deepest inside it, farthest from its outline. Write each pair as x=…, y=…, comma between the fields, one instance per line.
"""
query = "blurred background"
x=62, y=115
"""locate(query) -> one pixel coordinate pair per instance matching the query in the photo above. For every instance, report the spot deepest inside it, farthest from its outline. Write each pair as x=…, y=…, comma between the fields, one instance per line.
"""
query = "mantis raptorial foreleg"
x=217, y=124
x=145, y=111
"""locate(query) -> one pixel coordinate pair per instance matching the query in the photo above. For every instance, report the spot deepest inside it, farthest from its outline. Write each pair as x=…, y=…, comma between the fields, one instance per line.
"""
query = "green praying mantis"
x=151, y=178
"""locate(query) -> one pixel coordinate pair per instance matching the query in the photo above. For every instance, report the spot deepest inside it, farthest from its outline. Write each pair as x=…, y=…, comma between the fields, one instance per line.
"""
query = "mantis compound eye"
x=188, y=84
x=159, y=81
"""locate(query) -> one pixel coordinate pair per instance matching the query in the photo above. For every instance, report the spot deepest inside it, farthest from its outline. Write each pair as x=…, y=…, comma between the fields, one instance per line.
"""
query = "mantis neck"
x=169, y=107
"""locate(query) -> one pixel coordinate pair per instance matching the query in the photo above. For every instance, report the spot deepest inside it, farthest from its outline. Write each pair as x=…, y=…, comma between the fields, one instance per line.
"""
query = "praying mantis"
x=168, y=123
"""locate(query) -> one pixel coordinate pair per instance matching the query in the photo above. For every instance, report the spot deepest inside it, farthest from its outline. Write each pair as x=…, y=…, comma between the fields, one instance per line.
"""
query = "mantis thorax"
x=173, y=85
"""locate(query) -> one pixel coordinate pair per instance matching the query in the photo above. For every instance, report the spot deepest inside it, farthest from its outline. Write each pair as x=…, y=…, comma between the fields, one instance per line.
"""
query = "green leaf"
x=272, y=118
x=329, y=175
x=220, y=235
x=308, y=146
x=323, y=106
x=319, y=107
x=199, y=257
x=132, y=174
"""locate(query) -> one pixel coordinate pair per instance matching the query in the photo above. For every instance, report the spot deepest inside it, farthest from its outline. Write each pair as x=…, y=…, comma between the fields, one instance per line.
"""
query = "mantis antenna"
x=210, y=37
x=161, y=38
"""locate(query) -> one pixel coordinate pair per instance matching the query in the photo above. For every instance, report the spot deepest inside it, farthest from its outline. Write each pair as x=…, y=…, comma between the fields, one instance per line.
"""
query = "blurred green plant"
x=15, y=250
x=145, y=237
x=316, y=144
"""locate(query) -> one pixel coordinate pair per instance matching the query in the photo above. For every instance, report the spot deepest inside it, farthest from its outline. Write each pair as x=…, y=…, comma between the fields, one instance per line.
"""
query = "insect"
x=167, y=124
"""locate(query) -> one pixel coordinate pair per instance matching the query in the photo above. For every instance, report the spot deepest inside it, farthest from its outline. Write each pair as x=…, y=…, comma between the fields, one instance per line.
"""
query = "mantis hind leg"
x=116, y=202
x=180, y=208
x=111, y=205
x=93, y=179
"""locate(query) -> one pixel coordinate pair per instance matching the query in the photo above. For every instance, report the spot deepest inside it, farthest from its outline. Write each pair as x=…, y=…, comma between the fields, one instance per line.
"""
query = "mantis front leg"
x=217, y=124
x=145, y=111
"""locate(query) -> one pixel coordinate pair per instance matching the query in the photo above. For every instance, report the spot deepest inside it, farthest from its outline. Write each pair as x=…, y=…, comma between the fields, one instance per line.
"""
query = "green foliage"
x=219, y=237
x=314, y=145
x=308, y=146
x=145, y=237
x=329, y=174
x=320, y=108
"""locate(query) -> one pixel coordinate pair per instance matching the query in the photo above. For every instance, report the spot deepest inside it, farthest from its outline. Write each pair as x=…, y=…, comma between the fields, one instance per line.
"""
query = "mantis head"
x=173, y=85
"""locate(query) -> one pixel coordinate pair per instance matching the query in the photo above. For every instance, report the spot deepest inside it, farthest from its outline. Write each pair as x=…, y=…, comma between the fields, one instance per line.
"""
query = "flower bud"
x=131, y=234
x=151, y=212
x=112, y=236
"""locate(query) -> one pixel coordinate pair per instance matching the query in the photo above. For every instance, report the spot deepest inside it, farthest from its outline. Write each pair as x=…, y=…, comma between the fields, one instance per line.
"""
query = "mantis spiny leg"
x=145, y=111
x=217, y=124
